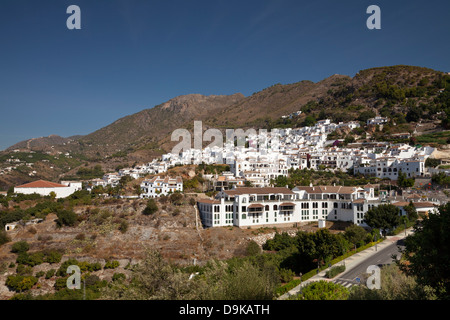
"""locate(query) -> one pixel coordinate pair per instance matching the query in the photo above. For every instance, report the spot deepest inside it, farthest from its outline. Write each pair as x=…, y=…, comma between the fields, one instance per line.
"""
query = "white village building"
x=158, y=186
x=44, y=188
x=274, y=206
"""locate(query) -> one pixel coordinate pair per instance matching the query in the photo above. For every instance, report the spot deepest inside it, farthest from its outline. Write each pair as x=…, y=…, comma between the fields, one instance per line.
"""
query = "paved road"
x=380, y=258
x=357, y=264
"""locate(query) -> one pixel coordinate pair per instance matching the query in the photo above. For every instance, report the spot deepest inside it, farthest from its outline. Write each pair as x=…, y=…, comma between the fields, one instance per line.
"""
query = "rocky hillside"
x=144, y=130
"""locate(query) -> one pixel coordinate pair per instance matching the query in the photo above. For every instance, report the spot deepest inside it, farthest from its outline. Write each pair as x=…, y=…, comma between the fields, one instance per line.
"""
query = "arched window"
x=275, y=207
x=266, y=208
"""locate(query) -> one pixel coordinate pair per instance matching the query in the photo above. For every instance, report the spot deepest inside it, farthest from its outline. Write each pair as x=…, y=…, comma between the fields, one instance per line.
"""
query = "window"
x=244, y=209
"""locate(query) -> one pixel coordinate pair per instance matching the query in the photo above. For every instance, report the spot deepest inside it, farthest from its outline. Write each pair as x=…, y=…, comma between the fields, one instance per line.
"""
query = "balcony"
x=271, y=198
x=255, y=208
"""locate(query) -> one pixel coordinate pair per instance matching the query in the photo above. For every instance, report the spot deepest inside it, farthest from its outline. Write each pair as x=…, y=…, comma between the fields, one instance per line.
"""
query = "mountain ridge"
x=399, y=92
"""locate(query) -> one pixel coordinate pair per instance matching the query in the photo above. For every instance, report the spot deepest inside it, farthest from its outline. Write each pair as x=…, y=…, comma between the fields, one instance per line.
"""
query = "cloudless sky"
x=134, y=54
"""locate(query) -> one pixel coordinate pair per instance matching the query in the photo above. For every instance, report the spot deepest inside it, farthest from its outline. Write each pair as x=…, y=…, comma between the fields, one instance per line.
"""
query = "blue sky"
x=134, y=54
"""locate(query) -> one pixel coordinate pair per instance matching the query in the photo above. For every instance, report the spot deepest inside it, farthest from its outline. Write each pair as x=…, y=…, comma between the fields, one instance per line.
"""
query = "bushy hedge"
x=111, y=264
x=21, y=283
x=333, y=272
x=39, y=257
x=84, y=267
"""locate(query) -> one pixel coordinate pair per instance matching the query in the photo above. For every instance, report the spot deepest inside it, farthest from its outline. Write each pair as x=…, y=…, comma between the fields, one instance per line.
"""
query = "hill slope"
x=403, y=93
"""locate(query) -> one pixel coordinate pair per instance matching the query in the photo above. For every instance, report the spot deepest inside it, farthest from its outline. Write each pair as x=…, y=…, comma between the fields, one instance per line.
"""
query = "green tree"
x=66, y=218
x=432, y=163
x=349, y=139
x=309, y=121
x=414, y=114
x=151, y=207
x=252, y=248
x=383, y=217
x=366, y=115
x=20, y=247
x=403, y=181
x=427, y=251
x=355, y=234
x=411, y=211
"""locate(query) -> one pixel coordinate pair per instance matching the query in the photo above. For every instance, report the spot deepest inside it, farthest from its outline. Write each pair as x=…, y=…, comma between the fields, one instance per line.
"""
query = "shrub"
x=4, y=238
x=52, y=256
x=252, y=248
x=62, y=271
x=163, y=199
x=40, y=274
x=334, y=271
x=66, y=218
x=286, y=275
x=86, y=266
x=80, y=236
x=176, y=199
x=151, y=207
x=20, y=246
x=324, y=290
x=21, y=283
x=95, y=266
x=23, y=270
x=33, y=259
x=123, y=227
x=118, y=277
x=111, y=264
x=61, y=283
x=50, y=273
x=32, y=230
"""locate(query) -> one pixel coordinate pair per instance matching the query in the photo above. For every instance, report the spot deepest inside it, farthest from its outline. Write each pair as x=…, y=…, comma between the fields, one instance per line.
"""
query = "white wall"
x=60, y=192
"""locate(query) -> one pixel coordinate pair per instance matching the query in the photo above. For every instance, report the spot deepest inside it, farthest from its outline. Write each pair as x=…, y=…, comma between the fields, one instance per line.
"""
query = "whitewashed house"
x=45, y=188
x=158, y=186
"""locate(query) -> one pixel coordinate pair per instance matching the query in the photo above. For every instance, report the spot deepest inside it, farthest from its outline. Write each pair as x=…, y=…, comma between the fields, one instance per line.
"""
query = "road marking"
x=345, y=282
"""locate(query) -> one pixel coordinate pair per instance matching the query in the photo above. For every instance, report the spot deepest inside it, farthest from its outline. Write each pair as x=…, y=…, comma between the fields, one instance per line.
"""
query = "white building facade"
x=157, y=186
x=259, y=207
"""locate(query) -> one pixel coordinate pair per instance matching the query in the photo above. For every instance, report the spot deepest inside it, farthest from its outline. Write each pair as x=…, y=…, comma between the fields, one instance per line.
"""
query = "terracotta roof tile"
x=42, y=184
x=249, y=190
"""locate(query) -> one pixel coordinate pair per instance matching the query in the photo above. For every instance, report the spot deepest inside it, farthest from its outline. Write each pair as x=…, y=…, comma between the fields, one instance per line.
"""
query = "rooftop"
x=42, y=184
x=249, y=190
